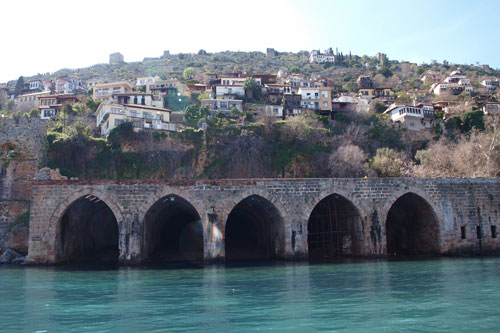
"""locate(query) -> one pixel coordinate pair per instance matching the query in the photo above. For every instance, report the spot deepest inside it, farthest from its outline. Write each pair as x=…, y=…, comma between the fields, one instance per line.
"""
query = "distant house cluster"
x=156, y=103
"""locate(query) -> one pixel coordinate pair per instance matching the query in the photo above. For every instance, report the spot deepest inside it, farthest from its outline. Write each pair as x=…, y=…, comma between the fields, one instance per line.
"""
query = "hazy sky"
x=44, y=36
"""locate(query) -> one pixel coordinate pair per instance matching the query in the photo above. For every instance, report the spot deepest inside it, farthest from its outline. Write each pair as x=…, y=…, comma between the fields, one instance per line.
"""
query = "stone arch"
x=411, y=225
x=8, y=146
x=334, y=228
x=61, y=217
x=162, y=193
x=254, y=229
x=309, y=205
x=172, y=231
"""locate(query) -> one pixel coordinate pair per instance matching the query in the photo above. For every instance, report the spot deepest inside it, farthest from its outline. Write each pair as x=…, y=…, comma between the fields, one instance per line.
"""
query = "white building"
x=317, y=57
x=228, y=91
x=110, y=116
x=228, y=81
x=491, y=108
x=223, y=105
x=455, y=83
x=142, y=81
x=414, y=118
x=491, y=84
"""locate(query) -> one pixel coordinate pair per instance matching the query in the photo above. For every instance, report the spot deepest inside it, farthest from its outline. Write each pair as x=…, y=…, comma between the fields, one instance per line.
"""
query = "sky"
x=45, y=36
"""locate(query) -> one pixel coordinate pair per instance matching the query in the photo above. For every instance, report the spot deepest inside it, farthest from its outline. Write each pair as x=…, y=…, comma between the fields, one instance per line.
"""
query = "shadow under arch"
x=412, y=227
x=87, y=232
x=172, y=232
x=334, y=229
x=254, y=230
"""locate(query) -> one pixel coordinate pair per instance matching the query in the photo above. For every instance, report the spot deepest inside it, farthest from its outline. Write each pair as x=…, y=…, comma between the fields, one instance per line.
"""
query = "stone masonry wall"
x=21, y=148
x=456, y=203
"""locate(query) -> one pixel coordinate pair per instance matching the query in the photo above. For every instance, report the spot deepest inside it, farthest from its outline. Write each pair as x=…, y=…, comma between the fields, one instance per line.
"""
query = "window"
x=479, y=234
x=493, y=231
x=462, y=233
x=325, y=104
x=324, y=94
x=118, y=122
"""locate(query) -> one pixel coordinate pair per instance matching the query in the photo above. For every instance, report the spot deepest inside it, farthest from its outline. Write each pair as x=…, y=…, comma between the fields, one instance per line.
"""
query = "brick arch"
x=310, y=205
x=154, y=199
x=384, y=210
x=64, y=205
x=240, y=196
x=7, y=146
x=350, y=226
x=427, y=199
x=282, y=228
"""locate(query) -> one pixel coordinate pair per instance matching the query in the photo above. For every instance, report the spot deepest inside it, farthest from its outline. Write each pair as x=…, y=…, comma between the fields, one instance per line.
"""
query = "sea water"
x=455, y=295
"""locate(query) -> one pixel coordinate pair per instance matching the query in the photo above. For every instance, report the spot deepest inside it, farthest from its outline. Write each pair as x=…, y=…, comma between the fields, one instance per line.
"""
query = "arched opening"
x=254, y=231
x=412, y=227
x=7, y=146
x=173, y=232
x=88, y=233
x=334, y=229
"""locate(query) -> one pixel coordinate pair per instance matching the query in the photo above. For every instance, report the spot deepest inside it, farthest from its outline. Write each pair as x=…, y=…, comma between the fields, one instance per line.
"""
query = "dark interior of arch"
x=173, y=232
x=254, y=231
x=411, y=228
x=334, y=229
x=89, y=233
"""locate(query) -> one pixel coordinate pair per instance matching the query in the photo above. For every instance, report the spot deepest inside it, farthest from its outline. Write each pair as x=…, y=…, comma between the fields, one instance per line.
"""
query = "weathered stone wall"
x=22, y=145
x=456, y=203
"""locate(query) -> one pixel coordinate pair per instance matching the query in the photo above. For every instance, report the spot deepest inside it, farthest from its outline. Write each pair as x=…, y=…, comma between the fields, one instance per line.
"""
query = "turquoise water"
x=436, y=295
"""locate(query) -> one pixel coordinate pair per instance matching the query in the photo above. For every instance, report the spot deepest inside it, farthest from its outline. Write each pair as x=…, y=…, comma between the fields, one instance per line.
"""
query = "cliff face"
x=22, y=145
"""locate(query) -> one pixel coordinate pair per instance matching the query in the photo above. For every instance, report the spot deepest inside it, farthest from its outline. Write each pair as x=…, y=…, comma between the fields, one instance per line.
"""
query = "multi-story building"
x=51, y=105
x=379, y=92
x=27, y=102
x=297, y=81
x=454, y=84
x=104, y=92
x=35, y=86
x=491, y=108
x=229, y=91
x=432, y=76
x=317, y=57
x=142, y=81
x=68, y=85
x=164, y=89
x=319, y=99
x=223, y=105
x=491, y=84
x=133, y=98
x=110, y=116
x=414, y=118
x=291, y=104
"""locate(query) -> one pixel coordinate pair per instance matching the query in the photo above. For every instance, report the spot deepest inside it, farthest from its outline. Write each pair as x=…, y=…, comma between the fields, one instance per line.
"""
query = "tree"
x=194, y=113
x=35, y=113
x=92, y=105
x=473, y=156
x=350, y=86
x=19, y=85
x=388, y=163
x=252, y=88
x=189, y=73
x=348, y=161
x=202, y=52
x=378, y=107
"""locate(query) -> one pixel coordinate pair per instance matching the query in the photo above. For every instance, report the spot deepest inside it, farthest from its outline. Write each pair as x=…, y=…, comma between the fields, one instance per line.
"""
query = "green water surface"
x=454, y=295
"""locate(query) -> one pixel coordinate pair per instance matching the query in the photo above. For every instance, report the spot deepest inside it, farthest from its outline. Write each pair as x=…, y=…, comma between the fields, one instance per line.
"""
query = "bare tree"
x=348, y=161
